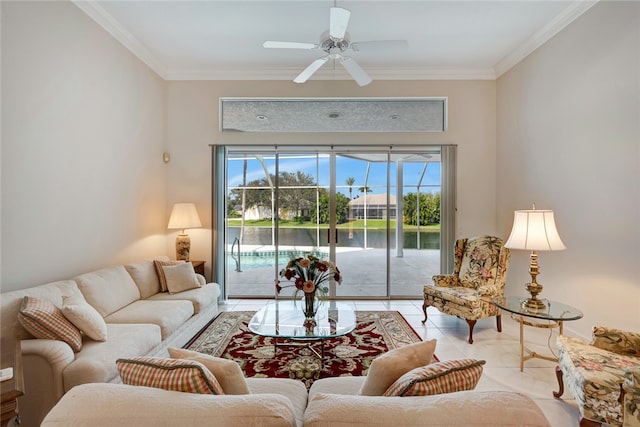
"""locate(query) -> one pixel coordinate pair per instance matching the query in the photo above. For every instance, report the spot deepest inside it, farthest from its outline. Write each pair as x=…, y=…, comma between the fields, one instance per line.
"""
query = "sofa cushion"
x=145, y=276
x=84, y=317
x=180, y=277
x=388, y=367
x=109, y=289
x=226, y=371
x=44, y=320
x=169, y=315
x=464, y=408
x=201, y=298
x=97, y=360
x=438, y=378
x=161, y=277
x=188, y=376
x=151, y=407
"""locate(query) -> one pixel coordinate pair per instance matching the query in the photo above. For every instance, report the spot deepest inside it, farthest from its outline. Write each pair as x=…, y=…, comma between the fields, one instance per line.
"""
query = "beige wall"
x=193, y=125
x=569, y=140
x=83, y=183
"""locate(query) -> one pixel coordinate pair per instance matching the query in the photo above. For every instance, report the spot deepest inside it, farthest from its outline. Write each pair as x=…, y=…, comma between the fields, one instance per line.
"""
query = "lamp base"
x=533, y=303
x=183, y=247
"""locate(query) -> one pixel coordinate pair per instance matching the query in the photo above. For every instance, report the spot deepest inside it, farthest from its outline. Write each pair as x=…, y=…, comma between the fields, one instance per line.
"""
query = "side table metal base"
x=525, y=353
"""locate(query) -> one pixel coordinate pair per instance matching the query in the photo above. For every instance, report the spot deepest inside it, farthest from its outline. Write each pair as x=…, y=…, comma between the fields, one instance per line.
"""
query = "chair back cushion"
x=480, y=260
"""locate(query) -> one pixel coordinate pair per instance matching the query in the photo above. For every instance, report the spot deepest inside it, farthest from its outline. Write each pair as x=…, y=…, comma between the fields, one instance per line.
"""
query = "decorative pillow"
x=227, y=372
x=44, y=320
x=438, y=378
x=180, y=277
x=84, y=317
x=169, y=374
x=159, y=264
x=388, y=367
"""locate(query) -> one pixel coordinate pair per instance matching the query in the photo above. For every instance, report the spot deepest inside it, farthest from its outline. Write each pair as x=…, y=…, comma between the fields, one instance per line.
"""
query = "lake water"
x=354, y=239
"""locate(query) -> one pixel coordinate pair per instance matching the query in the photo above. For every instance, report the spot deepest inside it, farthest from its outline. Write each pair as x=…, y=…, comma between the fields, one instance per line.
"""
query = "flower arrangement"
x=310, y=275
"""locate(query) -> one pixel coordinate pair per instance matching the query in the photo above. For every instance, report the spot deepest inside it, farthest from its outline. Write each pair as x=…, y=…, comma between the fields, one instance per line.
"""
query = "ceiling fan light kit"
x=334, y=44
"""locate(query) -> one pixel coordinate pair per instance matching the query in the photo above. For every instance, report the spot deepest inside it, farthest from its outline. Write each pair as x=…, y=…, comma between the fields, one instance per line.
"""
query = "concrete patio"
x=364, y=273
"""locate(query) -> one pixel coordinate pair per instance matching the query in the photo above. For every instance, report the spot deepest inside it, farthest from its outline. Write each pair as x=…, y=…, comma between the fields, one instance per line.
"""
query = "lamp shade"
x=534, y=230
x=184, y=215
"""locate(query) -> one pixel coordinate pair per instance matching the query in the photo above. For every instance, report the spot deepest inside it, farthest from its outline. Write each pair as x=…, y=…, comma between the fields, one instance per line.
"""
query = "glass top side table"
x=553, y=315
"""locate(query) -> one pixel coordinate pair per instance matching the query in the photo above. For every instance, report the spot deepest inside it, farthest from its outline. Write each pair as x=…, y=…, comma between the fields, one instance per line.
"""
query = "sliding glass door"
x=374, y=212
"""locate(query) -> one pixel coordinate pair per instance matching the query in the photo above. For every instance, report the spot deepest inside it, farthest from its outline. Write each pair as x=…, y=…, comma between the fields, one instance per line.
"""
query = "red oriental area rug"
x=376, y=332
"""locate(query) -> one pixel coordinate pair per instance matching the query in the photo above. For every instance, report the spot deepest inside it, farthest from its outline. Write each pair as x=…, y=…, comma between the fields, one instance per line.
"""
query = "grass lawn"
x=359, y=223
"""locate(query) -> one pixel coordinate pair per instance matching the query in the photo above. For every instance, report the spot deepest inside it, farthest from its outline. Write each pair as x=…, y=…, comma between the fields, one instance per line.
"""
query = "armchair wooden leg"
x=560, y=391
x=499, y=322
x=424, y=308
x=471, y=323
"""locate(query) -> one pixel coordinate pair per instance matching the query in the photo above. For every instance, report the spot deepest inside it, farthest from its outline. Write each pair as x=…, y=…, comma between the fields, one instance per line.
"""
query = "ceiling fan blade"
x=338, y=21
x=358, y=74
x=379, y=44
x=288, y=45
x=312, y=68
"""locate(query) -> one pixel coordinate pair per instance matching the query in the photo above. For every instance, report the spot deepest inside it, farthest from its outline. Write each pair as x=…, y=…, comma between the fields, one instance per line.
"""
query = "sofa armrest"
x=490, y=291
x=57, y=354
x=43, y=362
x=616, y=340
x=445, y=280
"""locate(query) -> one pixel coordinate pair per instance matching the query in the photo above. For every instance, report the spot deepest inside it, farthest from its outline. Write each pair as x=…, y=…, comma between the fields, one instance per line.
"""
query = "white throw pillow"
x=84, y=317
x=180, y=277
x=227, y=372
x=388, y=367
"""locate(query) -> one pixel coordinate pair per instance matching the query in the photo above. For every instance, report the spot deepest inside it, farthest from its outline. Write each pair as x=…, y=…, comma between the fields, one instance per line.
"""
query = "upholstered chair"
x=479, y=276
x=603, y=376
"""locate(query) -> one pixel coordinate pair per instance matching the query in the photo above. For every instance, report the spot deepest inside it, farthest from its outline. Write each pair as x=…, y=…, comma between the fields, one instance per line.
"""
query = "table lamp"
x=534, y=230
x=183, y=216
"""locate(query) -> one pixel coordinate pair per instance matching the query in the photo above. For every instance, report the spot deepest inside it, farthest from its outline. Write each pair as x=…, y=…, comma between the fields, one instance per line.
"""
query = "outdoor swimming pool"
x=254, y=260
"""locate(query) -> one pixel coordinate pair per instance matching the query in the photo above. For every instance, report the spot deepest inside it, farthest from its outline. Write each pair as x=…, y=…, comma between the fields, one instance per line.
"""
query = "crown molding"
x=113, y=27
x=575, y=9
x=253, y=73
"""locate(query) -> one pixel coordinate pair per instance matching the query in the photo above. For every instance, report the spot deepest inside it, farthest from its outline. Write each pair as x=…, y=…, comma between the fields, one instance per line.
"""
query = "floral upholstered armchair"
x=479, y=276
x=603, y=376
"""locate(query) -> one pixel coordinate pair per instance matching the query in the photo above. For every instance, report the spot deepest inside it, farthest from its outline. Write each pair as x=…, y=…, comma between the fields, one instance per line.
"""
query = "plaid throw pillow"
x=438, y=378
x=169, y=374
x=44, y=320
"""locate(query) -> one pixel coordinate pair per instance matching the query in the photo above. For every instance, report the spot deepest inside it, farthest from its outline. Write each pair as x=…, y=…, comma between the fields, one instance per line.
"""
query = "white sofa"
x=141, y=321
x=331, y=402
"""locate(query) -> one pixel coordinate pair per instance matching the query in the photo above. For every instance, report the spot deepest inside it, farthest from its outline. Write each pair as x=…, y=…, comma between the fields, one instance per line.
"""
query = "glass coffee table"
x=284, y=321
x=553, y=315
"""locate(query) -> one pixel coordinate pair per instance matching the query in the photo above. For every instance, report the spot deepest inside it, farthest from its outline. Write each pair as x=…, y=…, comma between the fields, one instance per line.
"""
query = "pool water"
x=253, y=260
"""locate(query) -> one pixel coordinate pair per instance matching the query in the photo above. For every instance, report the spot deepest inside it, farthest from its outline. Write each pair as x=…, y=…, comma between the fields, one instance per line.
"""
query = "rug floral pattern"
x=376, y=332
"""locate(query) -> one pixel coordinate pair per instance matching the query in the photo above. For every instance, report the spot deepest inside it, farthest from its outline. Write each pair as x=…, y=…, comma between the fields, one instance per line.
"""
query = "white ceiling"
x=222, y=40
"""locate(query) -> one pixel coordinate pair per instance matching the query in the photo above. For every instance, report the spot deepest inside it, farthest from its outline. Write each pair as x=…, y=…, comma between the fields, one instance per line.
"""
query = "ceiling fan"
x=334, y=43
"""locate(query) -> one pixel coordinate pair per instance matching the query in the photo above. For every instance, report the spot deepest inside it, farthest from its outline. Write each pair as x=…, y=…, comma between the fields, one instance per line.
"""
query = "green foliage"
x=429, y=209
x=342, y=209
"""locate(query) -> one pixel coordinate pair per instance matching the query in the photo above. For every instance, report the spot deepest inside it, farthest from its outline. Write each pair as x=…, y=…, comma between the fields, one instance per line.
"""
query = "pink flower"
x=308, y=287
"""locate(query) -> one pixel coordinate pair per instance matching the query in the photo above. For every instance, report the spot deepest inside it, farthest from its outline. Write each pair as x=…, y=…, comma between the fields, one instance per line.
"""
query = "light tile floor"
x=500, y=350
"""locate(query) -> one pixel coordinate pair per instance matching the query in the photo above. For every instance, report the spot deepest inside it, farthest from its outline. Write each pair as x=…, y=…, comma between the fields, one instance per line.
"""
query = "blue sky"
x=346, y=167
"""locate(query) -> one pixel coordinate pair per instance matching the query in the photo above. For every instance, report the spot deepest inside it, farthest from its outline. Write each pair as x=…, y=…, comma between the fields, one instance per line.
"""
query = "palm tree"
x=350, y=181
